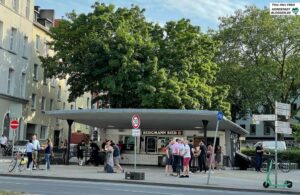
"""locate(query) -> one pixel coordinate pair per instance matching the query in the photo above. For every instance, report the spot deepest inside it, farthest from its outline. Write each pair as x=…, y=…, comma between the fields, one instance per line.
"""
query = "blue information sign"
x=220, y=116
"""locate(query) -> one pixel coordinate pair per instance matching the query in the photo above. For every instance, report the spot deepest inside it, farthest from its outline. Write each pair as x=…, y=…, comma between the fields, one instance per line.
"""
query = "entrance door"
x=56, y=138
x=151, y=144
x=6, y=126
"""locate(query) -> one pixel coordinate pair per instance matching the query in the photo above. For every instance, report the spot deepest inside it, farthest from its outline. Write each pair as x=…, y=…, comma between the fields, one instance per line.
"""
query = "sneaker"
x=187, y=176
x=181, y=176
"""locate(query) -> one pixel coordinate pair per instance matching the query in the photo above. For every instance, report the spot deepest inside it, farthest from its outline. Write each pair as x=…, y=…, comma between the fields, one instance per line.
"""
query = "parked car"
x=20, y=146
x=270, y=145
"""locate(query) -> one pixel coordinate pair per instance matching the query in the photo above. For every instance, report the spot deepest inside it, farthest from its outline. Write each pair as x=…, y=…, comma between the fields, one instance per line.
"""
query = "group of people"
x=112, y=154
x=184, y=157
x=32, y=150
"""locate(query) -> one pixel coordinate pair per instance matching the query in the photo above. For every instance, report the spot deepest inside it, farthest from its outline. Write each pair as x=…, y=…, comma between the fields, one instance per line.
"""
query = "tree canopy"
x=132, y=63
x=259, y=60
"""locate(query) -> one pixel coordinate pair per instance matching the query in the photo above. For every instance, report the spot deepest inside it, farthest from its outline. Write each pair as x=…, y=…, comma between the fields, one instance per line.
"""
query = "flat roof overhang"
x=151, y=119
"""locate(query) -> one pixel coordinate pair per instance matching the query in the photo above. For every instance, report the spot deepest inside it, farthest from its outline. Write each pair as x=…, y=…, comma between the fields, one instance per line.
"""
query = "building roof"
x=151, y=119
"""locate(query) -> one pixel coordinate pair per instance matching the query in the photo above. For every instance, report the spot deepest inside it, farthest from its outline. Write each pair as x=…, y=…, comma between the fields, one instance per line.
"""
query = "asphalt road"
x=54, y=187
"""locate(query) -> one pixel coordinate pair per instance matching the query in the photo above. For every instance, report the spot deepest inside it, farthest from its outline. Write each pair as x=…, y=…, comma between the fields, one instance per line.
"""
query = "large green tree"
x=135, y=63
x=259, y=60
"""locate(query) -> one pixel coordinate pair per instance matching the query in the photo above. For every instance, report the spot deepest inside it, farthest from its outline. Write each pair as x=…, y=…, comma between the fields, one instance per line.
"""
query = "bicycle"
x=283, y=165
x=18, y=161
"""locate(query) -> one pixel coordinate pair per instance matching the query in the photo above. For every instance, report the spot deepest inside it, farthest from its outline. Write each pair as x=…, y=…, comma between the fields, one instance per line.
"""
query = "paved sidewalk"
x=223, y=179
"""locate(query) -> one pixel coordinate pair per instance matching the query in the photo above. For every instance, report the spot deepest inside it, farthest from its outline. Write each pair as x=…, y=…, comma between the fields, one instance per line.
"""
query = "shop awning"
x=151, y=119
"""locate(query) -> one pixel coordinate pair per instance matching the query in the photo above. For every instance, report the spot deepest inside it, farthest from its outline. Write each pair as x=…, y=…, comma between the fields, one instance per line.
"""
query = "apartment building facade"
x=27, y=93
x=264, y=130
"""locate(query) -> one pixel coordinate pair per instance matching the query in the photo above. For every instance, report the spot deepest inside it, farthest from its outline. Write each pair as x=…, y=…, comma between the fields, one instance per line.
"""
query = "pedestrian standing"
x=259, y=154
x=181, y=152
x=169, y=156
x=48, y=153
x=218, y=156
x=186, y=159
x=176, y=156
x=29, y=151
x=109, y=157
x=202, y=157
x=3, y=142
x=36, y=149
x=63, y=147
x=117, y=157
x=192, y=155
x=210, y=158
x=80, y=150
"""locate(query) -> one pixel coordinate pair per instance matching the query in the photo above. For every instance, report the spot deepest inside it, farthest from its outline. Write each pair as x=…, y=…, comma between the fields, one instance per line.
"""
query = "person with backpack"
x=117, y=157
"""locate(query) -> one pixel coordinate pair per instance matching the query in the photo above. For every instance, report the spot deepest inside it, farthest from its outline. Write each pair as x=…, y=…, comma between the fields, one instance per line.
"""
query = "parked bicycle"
x=283, y=165
x=18, y=161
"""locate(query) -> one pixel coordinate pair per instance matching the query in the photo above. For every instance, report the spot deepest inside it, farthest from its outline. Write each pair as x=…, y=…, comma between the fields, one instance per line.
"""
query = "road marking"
x=140, y=191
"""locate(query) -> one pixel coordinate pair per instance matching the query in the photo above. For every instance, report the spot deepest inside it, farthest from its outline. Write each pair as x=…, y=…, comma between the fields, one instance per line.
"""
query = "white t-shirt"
x=4, y=140
x=36, y=144
x=187, y=151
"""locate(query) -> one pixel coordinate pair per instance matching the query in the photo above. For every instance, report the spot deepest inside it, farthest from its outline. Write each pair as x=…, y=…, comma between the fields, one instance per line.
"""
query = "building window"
x=72, y=107
x=33, y=101
x=28, y=9
x=25, y=43
x=13, y=35
x=64, y=105
x=45, y=78
x=129, y=143
x=1, y=33
x=23, y=85
x=267, y=129
x=10, y=82
x=253, y=129
x=37, y=42
x=15, y=5
x=243, y=126
x=43, y=133
x=59, y=93
x=35, y=72
x=43, y=104
x=294, y=107
x=88, y=103
x=2, y=1
x=51, y=104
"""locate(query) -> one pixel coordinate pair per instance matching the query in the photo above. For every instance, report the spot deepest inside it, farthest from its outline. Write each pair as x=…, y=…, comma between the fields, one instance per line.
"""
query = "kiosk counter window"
x=129, y=143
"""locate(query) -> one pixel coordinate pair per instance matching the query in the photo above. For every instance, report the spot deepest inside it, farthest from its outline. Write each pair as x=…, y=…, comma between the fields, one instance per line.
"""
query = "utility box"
x=135, y=175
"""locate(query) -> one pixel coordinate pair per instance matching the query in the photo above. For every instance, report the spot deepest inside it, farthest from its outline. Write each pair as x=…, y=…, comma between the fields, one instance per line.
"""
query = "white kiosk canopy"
x=151, y=119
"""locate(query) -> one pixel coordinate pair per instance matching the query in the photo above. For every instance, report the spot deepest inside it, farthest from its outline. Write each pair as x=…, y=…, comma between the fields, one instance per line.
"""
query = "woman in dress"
x=210, y=158
x=218, y=156
x=109, y=157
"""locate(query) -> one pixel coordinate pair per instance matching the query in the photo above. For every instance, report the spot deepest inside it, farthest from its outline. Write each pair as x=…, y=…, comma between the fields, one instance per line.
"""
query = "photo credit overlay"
x=285, y=9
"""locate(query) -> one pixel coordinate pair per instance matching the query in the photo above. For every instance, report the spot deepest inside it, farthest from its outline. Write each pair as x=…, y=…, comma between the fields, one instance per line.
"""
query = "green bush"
x=293, y=155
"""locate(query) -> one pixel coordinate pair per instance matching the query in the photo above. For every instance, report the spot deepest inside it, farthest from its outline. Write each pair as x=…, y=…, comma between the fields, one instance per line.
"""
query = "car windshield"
x=21, y=143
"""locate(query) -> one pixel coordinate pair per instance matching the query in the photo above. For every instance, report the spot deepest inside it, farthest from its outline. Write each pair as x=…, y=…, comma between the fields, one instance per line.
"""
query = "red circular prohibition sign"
x=14, y=124
x=135, y=121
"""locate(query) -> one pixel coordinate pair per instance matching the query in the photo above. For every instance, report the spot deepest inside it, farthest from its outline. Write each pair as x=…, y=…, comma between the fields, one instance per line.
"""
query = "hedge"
x=293, y=155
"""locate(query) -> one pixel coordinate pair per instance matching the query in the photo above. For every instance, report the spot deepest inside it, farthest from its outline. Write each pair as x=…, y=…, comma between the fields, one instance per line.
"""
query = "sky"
x=203, y=13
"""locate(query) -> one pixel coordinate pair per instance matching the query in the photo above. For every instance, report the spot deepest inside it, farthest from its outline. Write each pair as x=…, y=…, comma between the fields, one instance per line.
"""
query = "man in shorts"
x=169, y=161
x=35, y=153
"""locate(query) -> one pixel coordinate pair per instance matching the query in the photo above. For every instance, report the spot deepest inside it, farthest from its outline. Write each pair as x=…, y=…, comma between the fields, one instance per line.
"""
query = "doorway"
x=56, y=138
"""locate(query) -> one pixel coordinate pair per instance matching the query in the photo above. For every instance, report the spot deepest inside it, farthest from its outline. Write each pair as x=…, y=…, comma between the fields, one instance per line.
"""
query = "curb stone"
x=211, y=187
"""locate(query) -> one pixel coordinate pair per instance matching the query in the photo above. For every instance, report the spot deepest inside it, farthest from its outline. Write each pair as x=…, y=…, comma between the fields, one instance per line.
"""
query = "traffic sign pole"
x=220, y=117
x=135, y=121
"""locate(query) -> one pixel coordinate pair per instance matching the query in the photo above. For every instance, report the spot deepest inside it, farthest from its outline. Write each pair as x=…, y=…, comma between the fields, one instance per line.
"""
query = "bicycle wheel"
x=12, y=165
x=284, y=166
x=265, y=166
